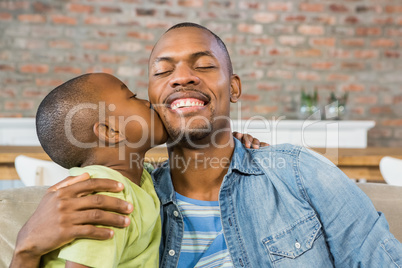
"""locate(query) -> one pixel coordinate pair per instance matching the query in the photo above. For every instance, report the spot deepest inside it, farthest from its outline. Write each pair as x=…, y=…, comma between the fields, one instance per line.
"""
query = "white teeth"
x=186, y=103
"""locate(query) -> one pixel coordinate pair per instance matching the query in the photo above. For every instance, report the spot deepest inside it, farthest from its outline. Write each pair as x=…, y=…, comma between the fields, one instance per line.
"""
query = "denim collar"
x=242, y=161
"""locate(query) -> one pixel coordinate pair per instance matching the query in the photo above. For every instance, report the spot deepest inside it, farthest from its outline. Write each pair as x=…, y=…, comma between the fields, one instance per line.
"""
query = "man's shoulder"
x=278, y=149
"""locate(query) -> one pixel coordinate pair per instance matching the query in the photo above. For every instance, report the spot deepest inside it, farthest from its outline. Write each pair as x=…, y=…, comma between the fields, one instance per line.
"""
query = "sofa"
x=16, y=206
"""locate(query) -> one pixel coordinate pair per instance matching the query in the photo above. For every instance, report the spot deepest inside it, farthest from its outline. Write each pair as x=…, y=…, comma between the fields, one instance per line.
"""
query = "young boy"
x=95, y=124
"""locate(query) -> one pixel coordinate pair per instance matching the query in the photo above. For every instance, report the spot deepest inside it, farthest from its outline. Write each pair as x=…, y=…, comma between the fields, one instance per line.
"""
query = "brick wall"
x=277, y=47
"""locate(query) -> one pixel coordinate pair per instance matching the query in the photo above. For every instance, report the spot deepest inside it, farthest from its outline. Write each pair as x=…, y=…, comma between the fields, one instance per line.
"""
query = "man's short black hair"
x=51, y=117
x=221, y=44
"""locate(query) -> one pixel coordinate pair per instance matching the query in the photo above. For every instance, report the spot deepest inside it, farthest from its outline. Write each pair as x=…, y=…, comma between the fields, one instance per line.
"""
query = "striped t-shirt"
x=203, y=243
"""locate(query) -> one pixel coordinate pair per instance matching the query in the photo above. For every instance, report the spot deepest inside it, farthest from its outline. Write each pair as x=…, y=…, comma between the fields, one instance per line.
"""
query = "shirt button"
x=297, y=245
x=172, y=252
x=176, y=213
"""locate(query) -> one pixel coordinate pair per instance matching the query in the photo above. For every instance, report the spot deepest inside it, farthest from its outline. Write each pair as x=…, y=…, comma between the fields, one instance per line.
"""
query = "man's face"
x=189, y=84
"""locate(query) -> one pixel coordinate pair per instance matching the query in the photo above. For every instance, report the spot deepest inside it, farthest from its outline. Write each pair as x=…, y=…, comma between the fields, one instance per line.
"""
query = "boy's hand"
x=68, y=212
x=249, y=141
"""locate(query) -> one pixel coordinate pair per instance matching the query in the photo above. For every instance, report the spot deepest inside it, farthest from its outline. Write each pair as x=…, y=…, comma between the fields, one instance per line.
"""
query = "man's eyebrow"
x=194, y=55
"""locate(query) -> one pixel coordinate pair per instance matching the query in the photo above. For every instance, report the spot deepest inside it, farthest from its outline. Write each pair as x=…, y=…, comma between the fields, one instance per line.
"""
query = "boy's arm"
x=66, y=213
x=70, y=264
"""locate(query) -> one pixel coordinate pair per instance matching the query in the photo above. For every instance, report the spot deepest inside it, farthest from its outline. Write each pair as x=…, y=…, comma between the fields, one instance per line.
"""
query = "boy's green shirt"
x=134, y=246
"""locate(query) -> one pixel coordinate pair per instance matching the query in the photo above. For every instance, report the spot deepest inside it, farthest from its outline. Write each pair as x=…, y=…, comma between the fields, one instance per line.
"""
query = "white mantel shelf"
x=308, y=133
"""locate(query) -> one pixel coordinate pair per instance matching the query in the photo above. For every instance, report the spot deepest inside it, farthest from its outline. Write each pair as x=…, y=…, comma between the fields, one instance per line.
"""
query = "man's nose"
x=183, y=76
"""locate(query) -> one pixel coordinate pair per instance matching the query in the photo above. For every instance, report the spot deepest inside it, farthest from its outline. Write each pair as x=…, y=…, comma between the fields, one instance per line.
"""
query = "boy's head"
x=91, y=112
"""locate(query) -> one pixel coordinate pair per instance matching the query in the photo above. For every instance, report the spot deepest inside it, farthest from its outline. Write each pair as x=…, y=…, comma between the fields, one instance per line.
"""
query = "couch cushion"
x=387, y=199
x=16, y=206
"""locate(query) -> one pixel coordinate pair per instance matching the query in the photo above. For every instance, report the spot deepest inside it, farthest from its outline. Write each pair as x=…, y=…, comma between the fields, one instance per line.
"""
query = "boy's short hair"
x=57, y=139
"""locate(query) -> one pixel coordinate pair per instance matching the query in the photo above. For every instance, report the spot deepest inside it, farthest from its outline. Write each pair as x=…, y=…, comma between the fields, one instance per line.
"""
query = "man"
x=281, y=206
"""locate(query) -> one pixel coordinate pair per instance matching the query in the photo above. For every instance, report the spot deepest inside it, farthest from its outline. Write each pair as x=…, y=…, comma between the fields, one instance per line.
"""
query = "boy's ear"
x=235, y=88
x=107, y=134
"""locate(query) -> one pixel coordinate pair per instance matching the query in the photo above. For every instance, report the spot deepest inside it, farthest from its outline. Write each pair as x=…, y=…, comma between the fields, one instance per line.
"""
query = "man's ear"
x=235, y=88
x=107, y=134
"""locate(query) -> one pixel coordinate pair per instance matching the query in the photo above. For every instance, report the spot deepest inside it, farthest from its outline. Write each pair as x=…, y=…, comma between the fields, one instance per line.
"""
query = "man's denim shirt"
x=286, y=206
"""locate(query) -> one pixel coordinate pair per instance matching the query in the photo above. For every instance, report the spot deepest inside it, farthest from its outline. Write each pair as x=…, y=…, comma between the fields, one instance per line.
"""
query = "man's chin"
x=192, y=139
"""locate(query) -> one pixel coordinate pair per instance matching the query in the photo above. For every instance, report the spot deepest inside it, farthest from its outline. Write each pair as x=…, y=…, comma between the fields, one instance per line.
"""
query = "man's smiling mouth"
x=186, y=103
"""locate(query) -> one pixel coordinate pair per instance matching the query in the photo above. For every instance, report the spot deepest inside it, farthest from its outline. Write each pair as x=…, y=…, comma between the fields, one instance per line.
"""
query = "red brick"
x=308, y=76
x=392, y=54
x=100, y=69
x=33, y=93
x=9, y=105
x=277, y=29
x=250, y=28
x=262, y=41
x=311, y=30
x=291, y=40
x=98, y=20
x=338, y=77
x=325, y=42
x=252, y=74
x=5, y=17
x=250, y=51
x=6, y=68
x=95, y=45
x=379, y=133
x=352, y=66
x=172, y=14
x=365, y=99
x=264, y=63
x=8, y=93
x=250, y=5
x=308, y=53
x=48, y=82
x=221, y=4
x=362, y=9
x=62, y=44
x=61, y=19
x=323, y=19
x=64, y=69
x=262, y=17
x=294, y=65
x=368, y=31
x=394, y=32
x=324, y=65
x=127, y=46
x=42, y=8
x=268, y=86
x=295, y=18
x=393, y=9
x=25, y=105
x=279, y=51
x=351, y=20
x=32, y=18
x=365, y=54
x=280, y=74
x=111, y=9
x=353, y=42
x=397, y=99
x=111, y=58
x=384, y=110
x=34, y=68
x=234, y=39
x=279, y=6
x=191, y=3
x=392, y=122
x=250, y=97
x=142, y=12
x=261, y=109
x=141, y=35
x=339, y=53
x=383, y=43
x=78, y=8
x=353, y=87
x=383, y=20
x=311, y=7
x=338, y=8
x=15, y=5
